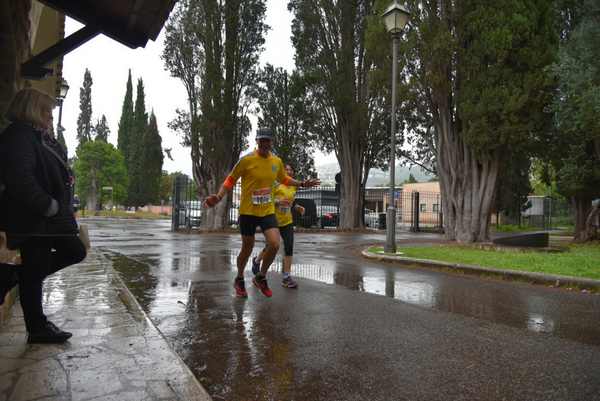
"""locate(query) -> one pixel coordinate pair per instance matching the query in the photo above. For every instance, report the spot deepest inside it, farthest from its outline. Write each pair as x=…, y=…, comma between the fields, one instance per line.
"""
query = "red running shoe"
x=240, y=287
x=260, y=282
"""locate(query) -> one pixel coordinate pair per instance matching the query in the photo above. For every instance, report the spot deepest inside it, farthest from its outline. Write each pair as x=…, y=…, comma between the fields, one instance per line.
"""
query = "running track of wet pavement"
x=356, y=329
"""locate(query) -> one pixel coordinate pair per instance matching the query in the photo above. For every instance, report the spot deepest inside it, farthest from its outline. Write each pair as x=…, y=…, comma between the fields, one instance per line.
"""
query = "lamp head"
x=395, y=17
x=64, y=89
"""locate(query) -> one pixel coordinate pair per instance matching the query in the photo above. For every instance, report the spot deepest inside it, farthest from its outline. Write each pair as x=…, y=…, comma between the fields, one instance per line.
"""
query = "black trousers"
x=41, y=257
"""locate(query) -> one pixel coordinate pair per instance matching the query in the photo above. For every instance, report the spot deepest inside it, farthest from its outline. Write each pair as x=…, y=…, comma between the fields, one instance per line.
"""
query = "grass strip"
x=577, y=260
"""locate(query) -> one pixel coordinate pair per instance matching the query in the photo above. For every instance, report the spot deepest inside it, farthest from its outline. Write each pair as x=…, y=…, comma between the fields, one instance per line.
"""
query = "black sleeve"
x=19, y=174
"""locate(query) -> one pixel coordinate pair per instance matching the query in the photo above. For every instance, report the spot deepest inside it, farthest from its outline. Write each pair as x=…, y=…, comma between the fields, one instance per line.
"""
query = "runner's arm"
x=227, y=185
x=311, y=182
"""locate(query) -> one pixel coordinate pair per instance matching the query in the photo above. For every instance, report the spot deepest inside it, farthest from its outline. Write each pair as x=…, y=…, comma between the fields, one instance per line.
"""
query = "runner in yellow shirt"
x=258, y=170
x=284, y=202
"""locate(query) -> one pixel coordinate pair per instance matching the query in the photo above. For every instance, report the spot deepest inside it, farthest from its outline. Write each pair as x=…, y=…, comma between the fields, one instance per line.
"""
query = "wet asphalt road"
x=355, y=329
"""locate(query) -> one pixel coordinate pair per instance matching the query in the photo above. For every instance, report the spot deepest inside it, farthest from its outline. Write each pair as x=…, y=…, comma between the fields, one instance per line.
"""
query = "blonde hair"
x=27, y=106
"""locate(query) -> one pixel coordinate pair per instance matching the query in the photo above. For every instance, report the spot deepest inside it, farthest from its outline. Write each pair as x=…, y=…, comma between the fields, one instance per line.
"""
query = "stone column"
x=14, y=49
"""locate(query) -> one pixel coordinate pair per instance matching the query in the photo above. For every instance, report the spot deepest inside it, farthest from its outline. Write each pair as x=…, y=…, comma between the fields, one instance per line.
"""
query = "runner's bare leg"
x=272, y=240
x=245, y=252
x=287, y=264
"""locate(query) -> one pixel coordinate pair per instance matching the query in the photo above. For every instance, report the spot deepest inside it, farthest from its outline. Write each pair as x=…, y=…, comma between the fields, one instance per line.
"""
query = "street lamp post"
x=64, y=89
x=395, y=18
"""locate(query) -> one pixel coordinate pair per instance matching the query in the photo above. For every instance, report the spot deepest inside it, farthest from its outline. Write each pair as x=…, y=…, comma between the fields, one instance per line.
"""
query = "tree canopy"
x=135, y=149
x=213, y=47
x=152, y=162
x=573, y=146
x=126, y=121
x=99, y=164
x=84, y=121
x=281, y=99
x=345, y=102
x=475, y=85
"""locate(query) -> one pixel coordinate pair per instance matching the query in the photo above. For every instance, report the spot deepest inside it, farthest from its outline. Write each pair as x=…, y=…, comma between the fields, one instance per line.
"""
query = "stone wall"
x=14, y=49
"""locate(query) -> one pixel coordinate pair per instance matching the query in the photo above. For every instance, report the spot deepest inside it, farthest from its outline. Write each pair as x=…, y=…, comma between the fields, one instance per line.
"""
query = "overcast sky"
x=109, y=62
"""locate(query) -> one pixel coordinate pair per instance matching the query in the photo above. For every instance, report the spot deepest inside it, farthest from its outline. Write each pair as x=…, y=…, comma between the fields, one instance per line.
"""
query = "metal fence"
x=416, y=211
x=541, y=212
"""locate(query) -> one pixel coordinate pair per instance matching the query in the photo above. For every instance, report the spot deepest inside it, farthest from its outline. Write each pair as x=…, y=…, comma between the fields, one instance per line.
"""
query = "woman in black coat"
x=36, y=209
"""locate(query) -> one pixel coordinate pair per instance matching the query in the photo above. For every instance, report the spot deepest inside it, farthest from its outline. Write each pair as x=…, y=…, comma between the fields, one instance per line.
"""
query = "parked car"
x=194, y=212
x=329, y=220
x=371, y=218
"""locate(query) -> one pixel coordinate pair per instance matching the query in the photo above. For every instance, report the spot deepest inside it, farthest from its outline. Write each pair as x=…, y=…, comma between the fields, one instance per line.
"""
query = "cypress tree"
x=153, y=161
x=126, y=121
x=136, y=150
x=84, y=121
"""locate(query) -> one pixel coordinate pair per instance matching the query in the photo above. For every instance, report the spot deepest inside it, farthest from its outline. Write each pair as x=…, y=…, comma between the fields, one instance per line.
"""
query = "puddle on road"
x=497, y=303
x=247, y=349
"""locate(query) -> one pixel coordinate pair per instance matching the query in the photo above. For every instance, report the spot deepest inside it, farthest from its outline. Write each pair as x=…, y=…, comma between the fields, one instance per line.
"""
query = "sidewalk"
x=115, y=354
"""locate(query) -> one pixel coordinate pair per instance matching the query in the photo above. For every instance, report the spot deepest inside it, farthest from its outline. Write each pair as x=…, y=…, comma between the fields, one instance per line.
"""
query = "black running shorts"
x=249, y=223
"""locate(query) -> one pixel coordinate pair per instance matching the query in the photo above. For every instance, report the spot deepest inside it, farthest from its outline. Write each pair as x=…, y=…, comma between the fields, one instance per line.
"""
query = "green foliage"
x=504, y=87
x=136, y=149
x=101, y=129
x=486, y=62
x=281, y=99
x=513, y=183
x=152, y=163
x=167, y=180
x=126, y=121
x=100, y=161
x=84, y=121
x=574, y=147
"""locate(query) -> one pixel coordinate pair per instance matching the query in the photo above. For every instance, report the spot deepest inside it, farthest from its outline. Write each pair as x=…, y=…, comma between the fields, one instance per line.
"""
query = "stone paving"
x=115, y=352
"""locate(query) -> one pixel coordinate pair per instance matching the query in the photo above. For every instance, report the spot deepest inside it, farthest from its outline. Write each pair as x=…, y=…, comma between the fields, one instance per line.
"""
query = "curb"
x=131, y=303
x=553, y=280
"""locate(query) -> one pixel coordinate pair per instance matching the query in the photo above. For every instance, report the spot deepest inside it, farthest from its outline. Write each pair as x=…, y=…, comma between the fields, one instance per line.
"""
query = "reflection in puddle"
x=428, y=294
x=540, y=324
x=160, y=282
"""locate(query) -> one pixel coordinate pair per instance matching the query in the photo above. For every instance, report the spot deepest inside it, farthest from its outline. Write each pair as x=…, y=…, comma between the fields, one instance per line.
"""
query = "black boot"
x=48, y=334
x=8, y=279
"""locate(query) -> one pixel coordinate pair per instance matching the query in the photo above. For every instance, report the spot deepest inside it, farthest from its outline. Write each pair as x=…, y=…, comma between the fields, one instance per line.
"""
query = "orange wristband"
x=229, y=182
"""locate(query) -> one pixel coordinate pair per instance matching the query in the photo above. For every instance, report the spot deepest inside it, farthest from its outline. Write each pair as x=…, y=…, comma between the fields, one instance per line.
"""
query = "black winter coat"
x=34, y=172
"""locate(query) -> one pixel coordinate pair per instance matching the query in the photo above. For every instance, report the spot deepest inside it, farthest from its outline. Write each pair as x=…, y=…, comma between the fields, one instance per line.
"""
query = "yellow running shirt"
x=258, y=176
x=284, y=198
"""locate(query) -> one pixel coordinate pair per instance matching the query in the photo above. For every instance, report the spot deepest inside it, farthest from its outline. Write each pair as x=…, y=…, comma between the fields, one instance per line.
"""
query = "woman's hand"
x=311, y=182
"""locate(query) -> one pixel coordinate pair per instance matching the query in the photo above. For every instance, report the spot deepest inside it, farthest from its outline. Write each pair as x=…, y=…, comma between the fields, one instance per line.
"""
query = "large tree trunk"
x=350, y=160
x=467, y=185
x=217, y=218
x=92, y=198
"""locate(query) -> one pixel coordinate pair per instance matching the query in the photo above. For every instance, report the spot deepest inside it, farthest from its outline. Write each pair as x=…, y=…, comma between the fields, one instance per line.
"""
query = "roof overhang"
x=130, y=22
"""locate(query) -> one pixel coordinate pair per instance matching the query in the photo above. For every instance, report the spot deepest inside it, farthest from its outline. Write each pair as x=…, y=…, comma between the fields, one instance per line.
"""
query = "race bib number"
x=284, y=206
x=261, y=197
